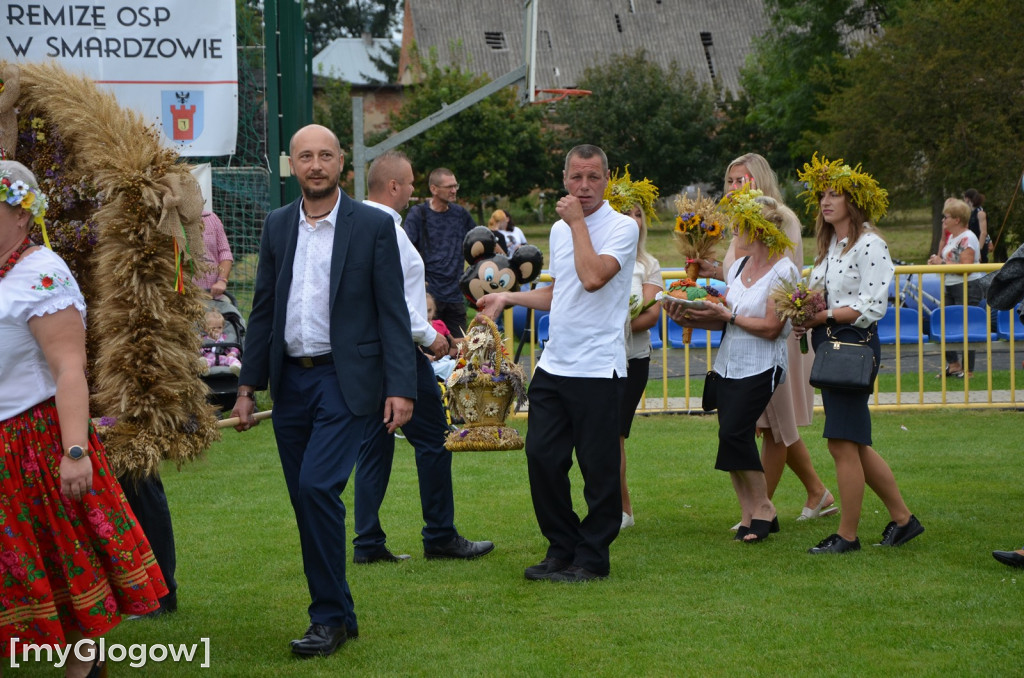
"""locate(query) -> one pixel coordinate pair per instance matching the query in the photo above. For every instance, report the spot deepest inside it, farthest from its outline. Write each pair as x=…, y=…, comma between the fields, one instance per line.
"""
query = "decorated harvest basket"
x=481, y=391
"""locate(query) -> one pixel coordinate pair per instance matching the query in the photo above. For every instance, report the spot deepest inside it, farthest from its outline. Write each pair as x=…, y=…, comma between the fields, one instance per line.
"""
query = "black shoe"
x=320, y=641
x=741, y=532
x=898, y=535
x=835, y=544
x=575, y=575
x=382, y=556
x=1011, y=558
x=460, y=547
x=759, y=530
x=545, y=568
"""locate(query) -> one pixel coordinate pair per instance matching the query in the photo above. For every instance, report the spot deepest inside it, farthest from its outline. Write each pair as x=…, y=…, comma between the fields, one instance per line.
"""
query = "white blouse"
x=955, y=245
x=39, y=284
x=638, y=344
x=743, y=354
x=859, y=278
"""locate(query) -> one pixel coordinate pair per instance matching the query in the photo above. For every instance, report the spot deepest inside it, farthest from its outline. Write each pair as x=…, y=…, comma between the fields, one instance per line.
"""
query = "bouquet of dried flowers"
x=700, y=226
x=798, y=301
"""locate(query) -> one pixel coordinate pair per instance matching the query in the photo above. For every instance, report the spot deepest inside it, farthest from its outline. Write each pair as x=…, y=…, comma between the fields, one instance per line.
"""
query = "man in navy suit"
x=329, y=332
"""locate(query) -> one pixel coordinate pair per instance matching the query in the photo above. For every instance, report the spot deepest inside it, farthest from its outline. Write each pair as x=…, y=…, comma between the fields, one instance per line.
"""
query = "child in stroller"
x=222, y=350
x=216, y=350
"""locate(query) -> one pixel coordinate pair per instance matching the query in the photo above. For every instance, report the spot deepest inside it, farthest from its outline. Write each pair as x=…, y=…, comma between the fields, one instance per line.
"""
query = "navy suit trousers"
x=426, y=433
x=318, y=440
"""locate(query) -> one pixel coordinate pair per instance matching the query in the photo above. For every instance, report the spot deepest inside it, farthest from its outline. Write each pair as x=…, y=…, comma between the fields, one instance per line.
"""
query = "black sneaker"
x=835, y=544
x=545, y=568
x=898, y=535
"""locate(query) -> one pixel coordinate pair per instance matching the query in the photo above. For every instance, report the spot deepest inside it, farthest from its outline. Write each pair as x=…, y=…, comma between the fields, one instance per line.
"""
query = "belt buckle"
x=306, y=362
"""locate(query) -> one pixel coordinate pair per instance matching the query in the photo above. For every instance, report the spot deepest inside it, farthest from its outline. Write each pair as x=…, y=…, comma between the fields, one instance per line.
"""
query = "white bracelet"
x=830, y=315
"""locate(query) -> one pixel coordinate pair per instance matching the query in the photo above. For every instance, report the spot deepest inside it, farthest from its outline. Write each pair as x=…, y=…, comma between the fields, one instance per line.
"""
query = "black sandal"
x=741, y=532
x=760, y=529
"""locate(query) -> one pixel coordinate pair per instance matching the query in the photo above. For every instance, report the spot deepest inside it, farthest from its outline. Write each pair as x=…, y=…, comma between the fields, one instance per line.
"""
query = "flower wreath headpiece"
x=622, y=193
x=819, y=175
x=745, y=209
x=19, y=194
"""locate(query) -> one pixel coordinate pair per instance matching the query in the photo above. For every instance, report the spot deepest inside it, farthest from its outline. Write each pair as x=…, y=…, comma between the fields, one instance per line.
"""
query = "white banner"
x=174, y=62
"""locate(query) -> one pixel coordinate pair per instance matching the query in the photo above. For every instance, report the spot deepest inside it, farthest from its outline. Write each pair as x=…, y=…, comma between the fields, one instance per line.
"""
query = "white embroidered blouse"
x=39, y=284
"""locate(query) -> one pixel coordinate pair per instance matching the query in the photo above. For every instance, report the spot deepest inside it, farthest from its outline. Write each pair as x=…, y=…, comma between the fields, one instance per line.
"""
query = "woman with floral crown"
x=751, y=361
x=636, y=199
x=854, y=267
x=73, y=560
x=792, y=405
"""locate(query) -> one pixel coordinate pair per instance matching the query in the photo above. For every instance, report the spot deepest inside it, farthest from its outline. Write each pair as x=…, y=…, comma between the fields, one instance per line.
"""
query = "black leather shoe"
x=835, y=544
x=383, y=556
x=320, y=641
x=898, y=535
x=1011, y=558
x=575, y=575
x=460, y=547
x=545, y=568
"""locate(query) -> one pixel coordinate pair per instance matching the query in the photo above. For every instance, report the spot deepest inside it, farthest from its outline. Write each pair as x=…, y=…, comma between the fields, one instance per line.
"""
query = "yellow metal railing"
x=910, y=291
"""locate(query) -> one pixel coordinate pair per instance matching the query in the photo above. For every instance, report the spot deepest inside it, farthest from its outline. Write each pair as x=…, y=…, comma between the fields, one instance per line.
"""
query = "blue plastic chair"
x=977, y=324
x=673, y=333
x=908, y=326
x=542, y=329
x=656, y=334
x=699, y=339
x=1007, y=321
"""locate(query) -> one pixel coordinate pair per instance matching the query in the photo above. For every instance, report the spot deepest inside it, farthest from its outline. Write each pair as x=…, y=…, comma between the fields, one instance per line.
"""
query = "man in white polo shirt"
x=574, y=393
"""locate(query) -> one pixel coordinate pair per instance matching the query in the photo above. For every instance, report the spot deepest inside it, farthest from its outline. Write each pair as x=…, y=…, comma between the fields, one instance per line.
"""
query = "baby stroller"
x=223, y=382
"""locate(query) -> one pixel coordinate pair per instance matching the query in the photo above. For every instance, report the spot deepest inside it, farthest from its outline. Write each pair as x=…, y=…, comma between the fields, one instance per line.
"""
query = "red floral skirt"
x=65, y=565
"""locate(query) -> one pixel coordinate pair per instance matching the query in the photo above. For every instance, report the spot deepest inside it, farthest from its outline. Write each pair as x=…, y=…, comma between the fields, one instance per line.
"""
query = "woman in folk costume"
x=73, y=560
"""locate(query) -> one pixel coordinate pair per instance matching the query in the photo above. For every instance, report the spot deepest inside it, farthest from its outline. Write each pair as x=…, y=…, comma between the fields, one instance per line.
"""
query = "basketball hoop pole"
x=530, y=49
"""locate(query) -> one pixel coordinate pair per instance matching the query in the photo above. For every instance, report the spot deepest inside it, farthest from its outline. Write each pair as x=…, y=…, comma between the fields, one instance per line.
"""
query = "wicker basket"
x=481, y=392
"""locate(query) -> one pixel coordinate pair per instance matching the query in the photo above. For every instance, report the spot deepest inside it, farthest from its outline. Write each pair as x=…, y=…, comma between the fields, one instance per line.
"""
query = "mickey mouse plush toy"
x=488, y=272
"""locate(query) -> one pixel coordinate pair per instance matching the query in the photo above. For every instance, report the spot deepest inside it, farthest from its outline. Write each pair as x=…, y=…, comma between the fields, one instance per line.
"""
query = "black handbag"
x=709, y=401
x=845, y=366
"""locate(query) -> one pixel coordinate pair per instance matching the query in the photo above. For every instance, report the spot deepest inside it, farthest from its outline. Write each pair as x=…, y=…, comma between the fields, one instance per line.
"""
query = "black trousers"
x=578, y=413
x=149, y=504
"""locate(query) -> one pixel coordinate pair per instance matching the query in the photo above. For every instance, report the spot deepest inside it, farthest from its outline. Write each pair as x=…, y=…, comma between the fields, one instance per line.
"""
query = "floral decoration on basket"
x=481, y=390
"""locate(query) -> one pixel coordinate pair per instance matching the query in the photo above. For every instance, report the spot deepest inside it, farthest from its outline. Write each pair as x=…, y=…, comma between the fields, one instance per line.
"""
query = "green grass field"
x=683, y=599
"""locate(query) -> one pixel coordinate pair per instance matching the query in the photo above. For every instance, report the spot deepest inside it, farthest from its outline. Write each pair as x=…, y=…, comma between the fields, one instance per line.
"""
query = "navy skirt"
x=846, y=413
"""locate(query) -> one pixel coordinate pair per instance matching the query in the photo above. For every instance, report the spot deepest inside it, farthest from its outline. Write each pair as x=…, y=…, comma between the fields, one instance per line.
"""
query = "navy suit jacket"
x=371, y=342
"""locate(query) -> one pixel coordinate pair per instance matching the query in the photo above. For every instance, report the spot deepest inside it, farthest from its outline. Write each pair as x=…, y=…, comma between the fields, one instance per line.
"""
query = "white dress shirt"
x=413, y=271
x=307, y=327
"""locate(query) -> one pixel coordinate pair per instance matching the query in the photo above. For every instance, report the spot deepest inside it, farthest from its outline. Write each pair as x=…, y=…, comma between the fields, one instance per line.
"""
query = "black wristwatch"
x=75, y=452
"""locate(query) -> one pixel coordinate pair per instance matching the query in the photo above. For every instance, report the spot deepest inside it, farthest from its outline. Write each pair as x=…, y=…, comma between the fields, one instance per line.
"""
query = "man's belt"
x=310, y=361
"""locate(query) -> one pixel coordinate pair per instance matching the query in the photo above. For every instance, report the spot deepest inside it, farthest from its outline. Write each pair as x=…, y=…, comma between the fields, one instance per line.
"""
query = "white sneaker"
x=627, y=521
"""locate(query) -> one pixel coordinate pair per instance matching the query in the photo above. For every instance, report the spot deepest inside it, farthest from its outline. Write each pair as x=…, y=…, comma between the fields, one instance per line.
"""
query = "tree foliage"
x=330, y=19
x=934, y=106
x=660, y=122
x=794, y=64
x=495, y=147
